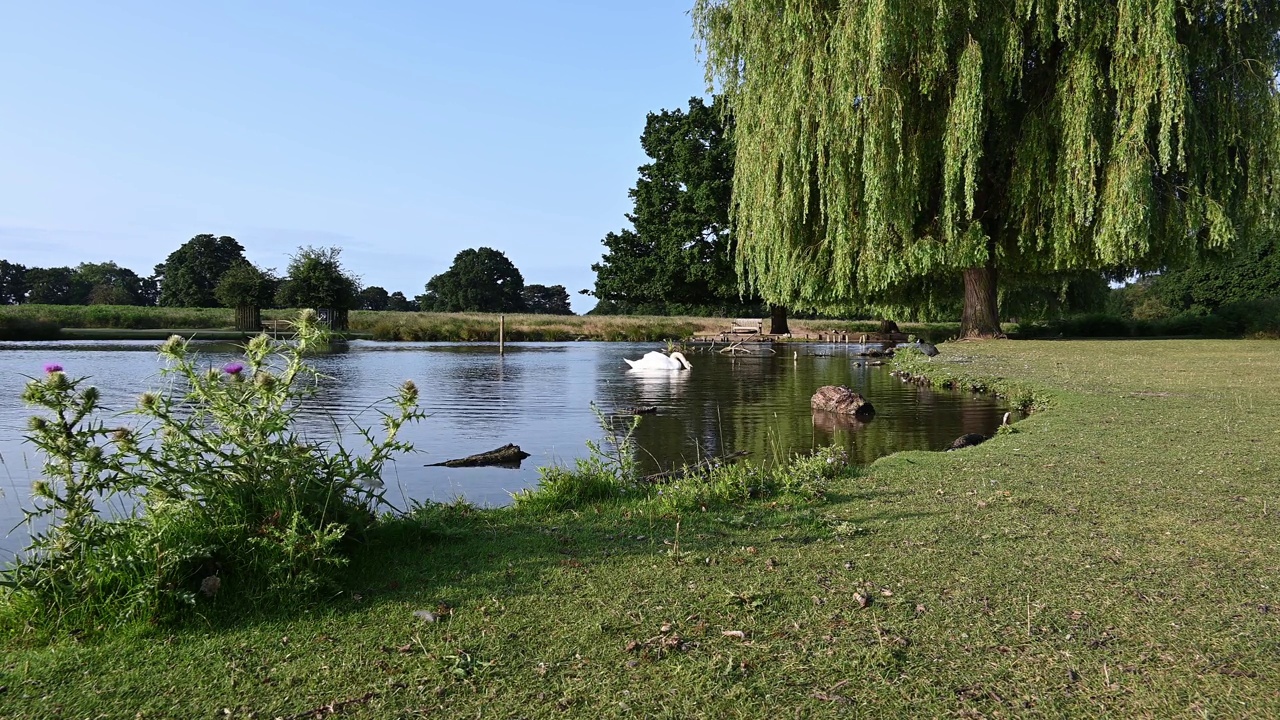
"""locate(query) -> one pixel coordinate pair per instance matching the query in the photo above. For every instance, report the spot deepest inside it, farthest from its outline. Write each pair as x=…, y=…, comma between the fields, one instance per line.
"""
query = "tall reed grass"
x=121, y=316
x=17, y=327
x=521, y=327
x=42, y=321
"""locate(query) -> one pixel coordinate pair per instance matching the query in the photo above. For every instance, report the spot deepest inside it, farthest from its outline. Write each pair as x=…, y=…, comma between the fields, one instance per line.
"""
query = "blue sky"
x=403, y=132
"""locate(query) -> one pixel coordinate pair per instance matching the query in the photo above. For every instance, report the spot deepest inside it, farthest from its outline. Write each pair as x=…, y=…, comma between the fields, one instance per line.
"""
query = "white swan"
x=658, y=361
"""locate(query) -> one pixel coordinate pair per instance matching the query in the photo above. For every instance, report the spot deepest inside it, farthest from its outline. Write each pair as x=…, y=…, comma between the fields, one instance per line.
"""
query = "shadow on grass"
x=454, y=555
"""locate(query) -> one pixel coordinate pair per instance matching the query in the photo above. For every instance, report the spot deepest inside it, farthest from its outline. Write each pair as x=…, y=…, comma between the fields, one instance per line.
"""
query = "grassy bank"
x=1116, y=555
x=41, y=322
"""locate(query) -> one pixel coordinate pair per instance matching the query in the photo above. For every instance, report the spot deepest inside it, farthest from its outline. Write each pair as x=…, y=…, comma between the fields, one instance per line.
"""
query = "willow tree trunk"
x=778, y=320
x=981, y=317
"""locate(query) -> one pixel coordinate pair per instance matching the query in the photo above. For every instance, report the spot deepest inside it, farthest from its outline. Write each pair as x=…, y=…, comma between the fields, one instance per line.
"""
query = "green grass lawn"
x=1115, y=556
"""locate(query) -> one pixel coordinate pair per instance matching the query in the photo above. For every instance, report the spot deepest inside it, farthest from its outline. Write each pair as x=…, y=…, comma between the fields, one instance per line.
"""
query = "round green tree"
x=316, y=279
x=480, y=280
x=190, y=274
x=884, y=147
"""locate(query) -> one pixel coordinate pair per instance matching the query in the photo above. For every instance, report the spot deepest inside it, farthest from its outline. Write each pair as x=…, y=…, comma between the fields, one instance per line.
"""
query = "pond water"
x=538, y=396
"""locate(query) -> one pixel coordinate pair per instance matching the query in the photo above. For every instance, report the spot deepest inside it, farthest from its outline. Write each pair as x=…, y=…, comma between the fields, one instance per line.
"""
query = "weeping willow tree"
x=885, y=147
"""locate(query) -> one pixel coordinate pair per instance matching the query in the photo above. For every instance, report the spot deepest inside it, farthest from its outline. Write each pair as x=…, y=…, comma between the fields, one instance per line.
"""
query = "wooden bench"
x=277, y=326
x=747, y=326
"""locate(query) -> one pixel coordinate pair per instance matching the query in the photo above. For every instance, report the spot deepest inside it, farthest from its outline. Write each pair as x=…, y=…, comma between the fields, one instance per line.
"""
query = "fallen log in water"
x=507, y=455
x=699, y=468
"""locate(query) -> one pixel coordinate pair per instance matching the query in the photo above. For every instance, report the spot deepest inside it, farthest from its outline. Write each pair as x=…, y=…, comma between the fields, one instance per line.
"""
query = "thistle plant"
x=616, y=452
x=220, y=483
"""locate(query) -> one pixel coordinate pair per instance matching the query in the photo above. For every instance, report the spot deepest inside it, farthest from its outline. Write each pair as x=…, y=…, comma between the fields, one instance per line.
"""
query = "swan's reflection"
x=657, y=386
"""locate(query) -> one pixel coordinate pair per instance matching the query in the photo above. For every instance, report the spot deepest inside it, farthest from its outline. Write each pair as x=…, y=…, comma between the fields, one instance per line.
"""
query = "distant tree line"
x=211, y=271
x=85, y=284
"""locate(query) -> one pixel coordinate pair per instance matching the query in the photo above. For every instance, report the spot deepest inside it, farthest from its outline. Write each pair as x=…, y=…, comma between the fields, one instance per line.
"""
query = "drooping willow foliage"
x=883, y=144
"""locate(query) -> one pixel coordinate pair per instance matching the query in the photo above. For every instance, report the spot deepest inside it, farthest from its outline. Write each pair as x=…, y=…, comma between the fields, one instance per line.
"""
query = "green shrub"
x=230, y=499
x=1091, y=325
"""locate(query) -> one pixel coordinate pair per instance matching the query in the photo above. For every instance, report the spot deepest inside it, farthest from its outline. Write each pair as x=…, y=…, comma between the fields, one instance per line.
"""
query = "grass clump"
x=610, y=473
x=229, y=502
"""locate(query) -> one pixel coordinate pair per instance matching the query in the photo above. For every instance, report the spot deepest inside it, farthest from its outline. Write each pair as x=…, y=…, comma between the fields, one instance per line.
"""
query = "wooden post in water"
x=502, y=323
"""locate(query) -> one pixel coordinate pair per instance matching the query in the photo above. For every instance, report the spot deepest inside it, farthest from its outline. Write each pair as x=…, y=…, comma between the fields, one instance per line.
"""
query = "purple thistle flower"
x=53, y=368
x=232, y=368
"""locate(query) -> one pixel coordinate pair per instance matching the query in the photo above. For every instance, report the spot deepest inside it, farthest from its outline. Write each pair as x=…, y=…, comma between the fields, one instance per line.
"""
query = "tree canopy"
x=55, y=286
x=397, y=302
x=884, y=145
x=110, y=284
x=546, y=300
x=13, y=283
x=316, y=279
x=678, y=254
x=374, y=297
x=246, y=285
x=190, y=273
x=1251, y=273
x=480, y=280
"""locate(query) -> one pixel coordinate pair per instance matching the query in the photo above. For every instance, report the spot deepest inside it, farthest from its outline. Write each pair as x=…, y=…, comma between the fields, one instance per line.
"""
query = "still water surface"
x=538, y=396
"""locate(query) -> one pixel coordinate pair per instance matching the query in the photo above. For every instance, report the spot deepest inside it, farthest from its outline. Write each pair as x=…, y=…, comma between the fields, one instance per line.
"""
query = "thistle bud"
x=124, y=438
x=173, y=347
x=409, y=391
x=258, y=346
